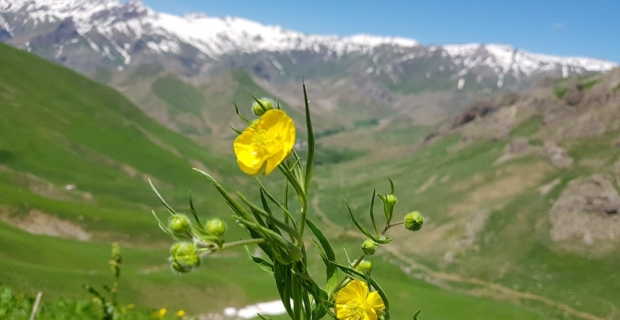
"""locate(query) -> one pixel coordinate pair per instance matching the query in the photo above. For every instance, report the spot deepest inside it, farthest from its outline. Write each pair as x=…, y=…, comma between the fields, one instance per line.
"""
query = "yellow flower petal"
x=265, y=144
x=374, y=301
x=354, y=290
x=354, y=302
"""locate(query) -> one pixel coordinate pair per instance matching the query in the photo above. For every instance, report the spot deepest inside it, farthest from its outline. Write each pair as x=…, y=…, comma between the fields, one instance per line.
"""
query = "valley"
x=513, y=158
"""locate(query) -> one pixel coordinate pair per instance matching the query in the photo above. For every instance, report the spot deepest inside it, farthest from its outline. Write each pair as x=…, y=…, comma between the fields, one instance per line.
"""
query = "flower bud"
x=184, y=257
x=364, y=267
x=414, y=221
x=258, y=110
x=369, y=247
x=179, y=223
x=391, y=200
x=216, y=227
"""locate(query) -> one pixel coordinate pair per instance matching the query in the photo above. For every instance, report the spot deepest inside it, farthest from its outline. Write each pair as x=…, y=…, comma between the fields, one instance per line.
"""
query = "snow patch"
x=272, y=308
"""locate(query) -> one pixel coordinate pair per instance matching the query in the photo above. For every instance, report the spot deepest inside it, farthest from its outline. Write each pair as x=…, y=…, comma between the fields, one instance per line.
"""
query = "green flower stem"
x=391, y=225
x=355, y=264
x=242, y=243
x=359, y=260
x=233, y=244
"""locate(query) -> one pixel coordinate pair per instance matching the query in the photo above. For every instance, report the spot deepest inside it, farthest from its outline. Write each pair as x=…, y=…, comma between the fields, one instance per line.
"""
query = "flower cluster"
x=266, y=144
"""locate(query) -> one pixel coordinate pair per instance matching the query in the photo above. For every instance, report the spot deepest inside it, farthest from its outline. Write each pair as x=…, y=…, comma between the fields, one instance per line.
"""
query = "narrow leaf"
x=415, y=316
x=372, y=214
x=236, y=207
x=161, y=198
x=264, y=265
x=291, y=231
x=355, y=222
x=192, y=210
x=235, y=130
x=310, y=161
x=240, y=115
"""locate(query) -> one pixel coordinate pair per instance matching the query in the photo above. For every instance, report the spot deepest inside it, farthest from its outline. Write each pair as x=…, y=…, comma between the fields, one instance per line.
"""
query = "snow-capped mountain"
x=86, y=34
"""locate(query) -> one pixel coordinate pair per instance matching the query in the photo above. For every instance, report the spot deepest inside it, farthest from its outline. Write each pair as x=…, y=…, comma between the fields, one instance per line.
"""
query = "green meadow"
x=75, y=157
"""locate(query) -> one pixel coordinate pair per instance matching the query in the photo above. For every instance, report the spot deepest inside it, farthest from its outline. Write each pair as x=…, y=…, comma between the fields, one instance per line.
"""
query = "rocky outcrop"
x=587, y=209
x=558, y=156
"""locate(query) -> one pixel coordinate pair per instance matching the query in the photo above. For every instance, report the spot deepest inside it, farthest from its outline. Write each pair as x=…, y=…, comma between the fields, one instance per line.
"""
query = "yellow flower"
x=161, y=313
x=180, y=313
x=265, y=143
x=353, y=302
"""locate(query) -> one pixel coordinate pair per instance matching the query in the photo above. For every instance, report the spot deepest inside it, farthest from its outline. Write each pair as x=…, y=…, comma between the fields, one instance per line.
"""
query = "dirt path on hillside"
x=491, y=290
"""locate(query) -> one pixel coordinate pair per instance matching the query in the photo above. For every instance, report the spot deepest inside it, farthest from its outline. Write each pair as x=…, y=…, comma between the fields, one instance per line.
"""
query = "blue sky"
x=565, y=28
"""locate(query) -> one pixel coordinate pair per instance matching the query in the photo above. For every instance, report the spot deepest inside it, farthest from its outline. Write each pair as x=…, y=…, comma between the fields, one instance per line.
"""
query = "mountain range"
x=86, y=34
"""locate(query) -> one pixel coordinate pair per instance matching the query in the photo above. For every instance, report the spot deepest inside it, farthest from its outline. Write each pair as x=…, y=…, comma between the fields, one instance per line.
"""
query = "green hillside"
x=75, y=157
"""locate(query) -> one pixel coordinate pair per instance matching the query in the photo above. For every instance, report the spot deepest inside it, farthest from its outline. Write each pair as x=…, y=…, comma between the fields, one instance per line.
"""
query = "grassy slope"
x=514, y=248
x=65, y=129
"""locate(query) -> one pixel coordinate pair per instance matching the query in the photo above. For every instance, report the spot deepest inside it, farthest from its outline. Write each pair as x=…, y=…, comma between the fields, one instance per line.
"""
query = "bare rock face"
x=518, y=145
x=574, y=95
x=587, y=209
x=586, y=125
x=557, y=155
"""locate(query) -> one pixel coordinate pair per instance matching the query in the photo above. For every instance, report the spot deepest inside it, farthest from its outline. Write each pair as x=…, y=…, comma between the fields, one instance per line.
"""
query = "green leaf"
x=287, y=214
x=259, y=102
x=192, y=210
x=282, y=274
x=276, y=242
x=291, y=179
x=307, y=305
x=240, y=115
x=296, y=295
x=391, y=186
x=235, y=130
x=278, y=102
x=264, y=246
x=327, y=253
x=172, y=212
x=310, y=161
x=234, y=205
x=264, y=265
x=372, y=214
x=262, y=317
x=415, y=316
x=95, y=293
x=382, y=240
x=291, y=231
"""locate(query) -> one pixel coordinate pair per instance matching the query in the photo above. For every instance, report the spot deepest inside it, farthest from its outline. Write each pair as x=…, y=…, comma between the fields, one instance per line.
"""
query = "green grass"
x=366, y=123
x=515, y=250
x=589, y=84
x=560, y=92
x=182, y=97
x=528, y=128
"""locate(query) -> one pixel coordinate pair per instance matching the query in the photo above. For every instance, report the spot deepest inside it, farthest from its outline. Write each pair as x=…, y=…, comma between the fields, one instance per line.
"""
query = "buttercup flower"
x=266, y=143
x=180, y=313
x=161, y=313
x=354, y=302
